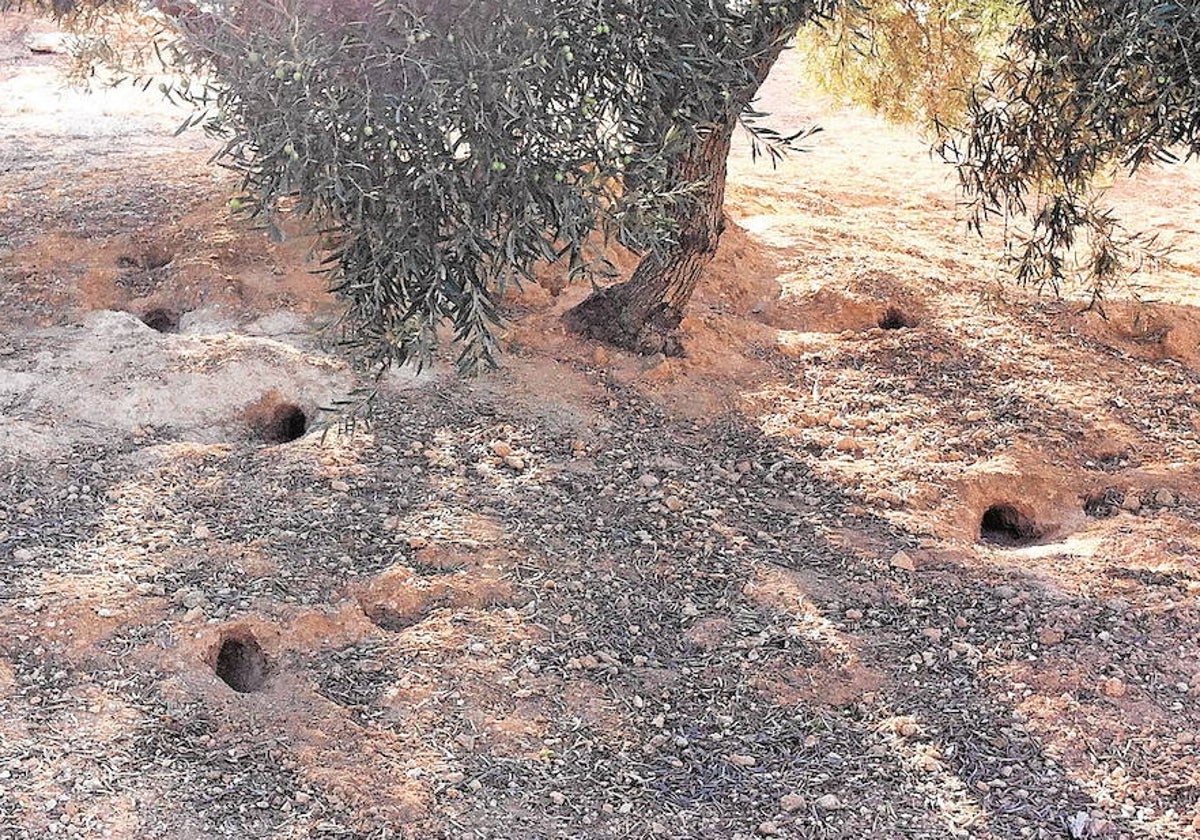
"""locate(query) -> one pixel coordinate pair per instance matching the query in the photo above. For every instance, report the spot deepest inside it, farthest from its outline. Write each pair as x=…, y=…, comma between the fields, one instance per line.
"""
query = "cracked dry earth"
x=875, y=560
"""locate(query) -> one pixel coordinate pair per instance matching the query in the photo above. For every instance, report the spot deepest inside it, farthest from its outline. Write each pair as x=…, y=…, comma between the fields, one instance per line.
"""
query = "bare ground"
x=740, y=594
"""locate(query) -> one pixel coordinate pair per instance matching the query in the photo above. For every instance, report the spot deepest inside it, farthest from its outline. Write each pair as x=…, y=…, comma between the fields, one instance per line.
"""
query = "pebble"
x=189, y=598
x=848, y=444
x=674, y=504
x=557, y=798
x=501, y=449
x=202, y=531
x=829, y=802
x=902, y=560
x=1050, y=636
x=767, y=828
x=792, y=802
x=23, y=555
x=515, y=462
x=649, y=480
x=1164, y=498
x=1132, y=503
x=339, y=486
x=742, y=760
x=1113, y=687
x=854, y=615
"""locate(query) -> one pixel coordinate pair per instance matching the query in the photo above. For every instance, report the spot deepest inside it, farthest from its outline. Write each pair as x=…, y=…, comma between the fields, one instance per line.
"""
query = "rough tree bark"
x=643, y=313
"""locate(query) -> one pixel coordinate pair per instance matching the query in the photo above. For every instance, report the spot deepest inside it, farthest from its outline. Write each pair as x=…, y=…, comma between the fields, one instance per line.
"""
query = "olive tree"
x=1084, y=89
x=447, y=148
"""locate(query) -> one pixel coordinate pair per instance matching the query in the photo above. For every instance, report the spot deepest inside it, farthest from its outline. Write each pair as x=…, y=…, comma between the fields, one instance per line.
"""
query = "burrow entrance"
x=286, y=423
x=151, y=258
x=162, y=320
x=895, y=318
x=1005, y=525
x=241, y=663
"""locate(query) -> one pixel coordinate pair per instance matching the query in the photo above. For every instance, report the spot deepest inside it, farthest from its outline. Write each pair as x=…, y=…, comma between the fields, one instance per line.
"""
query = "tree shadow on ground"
x=688, y=645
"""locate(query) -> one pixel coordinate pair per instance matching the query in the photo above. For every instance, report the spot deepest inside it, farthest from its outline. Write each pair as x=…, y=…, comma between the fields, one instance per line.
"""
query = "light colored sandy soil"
x=738, y=594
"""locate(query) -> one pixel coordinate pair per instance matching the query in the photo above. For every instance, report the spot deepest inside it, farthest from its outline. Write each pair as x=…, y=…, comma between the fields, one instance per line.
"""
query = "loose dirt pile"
x=886, y=555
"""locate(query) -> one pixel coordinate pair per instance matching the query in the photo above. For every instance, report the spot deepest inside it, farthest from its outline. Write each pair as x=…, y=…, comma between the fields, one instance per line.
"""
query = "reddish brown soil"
x=738, y=594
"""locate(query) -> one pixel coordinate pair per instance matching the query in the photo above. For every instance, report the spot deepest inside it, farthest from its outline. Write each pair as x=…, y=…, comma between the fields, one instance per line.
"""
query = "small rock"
x=566, y=618
x=201, y=531
x=1164, y=498
x=465, y=740
x=193, y=598
x=557, y=798
x=767, y=828
x=674, y=504
x=501, y=449
x=1050, y=636
x=1113, y=687
x=1132, y=503
x=649, y=481
x=901, y=560
x=515, y=462
x=848, y=444
x=742, y=760
x=339, y=486
x=829, y=802
x=23, y=555
x=1006, y=592
x=792, y=802
x=854, y=615
x=654, y=362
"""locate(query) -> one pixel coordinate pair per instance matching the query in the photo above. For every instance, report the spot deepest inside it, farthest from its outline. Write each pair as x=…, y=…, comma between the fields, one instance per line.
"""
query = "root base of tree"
x=605, y=316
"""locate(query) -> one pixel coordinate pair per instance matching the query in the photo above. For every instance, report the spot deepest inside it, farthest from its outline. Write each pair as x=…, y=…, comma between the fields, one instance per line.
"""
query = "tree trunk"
x=644, y=312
